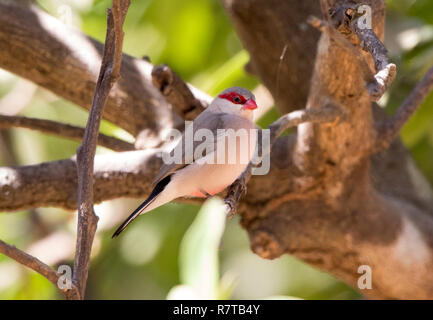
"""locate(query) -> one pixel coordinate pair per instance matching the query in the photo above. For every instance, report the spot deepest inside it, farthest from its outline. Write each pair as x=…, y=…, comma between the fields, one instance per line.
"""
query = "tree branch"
x=325, y=199
x=326, y=27
x=388, y=130
x=325, y=195
x=326, y=114
x=285, y=27
x=38, y=266
x=177, y=92
x=63, y=130
x=109, y=73
x=67, y=62
x=385, y=71
x=54, y=184
x=345, y=19
x=290, y=120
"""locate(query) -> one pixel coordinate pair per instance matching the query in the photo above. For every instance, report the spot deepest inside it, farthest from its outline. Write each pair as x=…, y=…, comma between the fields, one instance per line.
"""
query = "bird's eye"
x=237, y=99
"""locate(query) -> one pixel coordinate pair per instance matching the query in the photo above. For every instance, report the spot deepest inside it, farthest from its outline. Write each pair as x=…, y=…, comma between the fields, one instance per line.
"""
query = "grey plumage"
x=201, y=178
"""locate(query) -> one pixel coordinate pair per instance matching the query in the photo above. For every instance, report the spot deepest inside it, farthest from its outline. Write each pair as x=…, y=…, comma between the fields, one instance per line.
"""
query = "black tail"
x=160, y=186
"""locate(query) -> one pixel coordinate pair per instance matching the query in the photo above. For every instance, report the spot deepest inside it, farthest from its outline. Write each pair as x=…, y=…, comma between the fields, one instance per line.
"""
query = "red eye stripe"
x=232, y=96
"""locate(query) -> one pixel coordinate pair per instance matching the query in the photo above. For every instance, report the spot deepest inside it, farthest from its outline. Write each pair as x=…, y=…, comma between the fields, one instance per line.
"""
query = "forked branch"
x=346, y=19
x=35, y=264
x=108, y=75
x=389, y=130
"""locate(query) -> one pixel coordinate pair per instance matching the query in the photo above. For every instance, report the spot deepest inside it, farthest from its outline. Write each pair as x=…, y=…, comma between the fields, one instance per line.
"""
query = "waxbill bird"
x=230, y=115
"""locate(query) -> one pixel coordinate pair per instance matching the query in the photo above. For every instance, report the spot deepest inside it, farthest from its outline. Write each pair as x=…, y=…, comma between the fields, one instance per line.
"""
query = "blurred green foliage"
x=157, y=253
x=410, y=40
x=198, y=255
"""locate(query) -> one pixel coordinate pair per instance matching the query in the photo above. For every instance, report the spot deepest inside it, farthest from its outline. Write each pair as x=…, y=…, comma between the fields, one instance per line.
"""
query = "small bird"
x=229, y=116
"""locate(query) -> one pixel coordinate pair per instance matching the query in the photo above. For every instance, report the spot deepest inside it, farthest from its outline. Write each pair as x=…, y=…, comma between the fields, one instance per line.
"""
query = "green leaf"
x=199, y=250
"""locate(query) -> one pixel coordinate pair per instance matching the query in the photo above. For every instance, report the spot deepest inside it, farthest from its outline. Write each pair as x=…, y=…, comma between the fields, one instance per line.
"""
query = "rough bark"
x=177, y=92
x=53, y=184
x=108, y=75
x=35, y=264
x=38, y=47
x=333, y=205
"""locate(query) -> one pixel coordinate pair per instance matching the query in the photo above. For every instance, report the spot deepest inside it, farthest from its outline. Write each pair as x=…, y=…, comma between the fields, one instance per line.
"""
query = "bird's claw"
x=230, y=208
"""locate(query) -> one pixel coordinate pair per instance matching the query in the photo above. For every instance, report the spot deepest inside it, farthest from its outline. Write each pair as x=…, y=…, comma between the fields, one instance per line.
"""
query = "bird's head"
x=235, y=100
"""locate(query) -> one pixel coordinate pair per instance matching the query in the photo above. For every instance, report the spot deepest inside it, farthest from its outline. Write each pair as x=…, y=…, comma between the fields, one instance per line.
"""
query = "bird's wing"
x=206, y=120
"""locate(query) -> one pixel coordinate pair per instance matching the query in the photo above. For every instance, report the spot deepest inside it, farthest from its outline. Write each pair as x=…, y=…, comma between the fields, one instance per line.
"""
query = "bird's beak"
x=250, y=105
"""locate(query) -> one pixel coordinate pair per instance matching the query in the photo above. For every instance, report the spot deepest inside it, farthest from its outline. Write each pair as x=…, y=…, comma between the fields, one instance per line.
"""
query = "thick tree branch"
x=108, y=75
x=63, y=130
x=54, y=184
x=177, y=92
x=66, y=62
x=329, y=29
x=290, y=120
x=285, y=31
x=38, y=266
x=325, y=200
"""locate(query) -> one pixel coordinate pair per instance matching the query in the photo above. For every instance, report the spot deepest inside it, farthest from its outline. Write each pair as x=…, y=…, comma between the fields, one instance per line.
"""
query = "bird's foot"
x=230, y=207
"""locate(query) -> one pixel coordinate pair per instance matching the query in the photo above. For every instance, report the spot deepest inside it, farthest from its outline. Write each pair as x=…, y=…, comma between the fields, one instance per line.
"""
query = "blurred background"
x=177, y=252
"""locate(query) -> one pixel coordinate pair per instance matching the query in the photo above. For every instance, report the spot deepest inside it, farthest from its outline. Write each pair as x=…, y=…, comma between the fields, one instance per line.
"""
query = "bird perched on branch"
x=213, y=152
